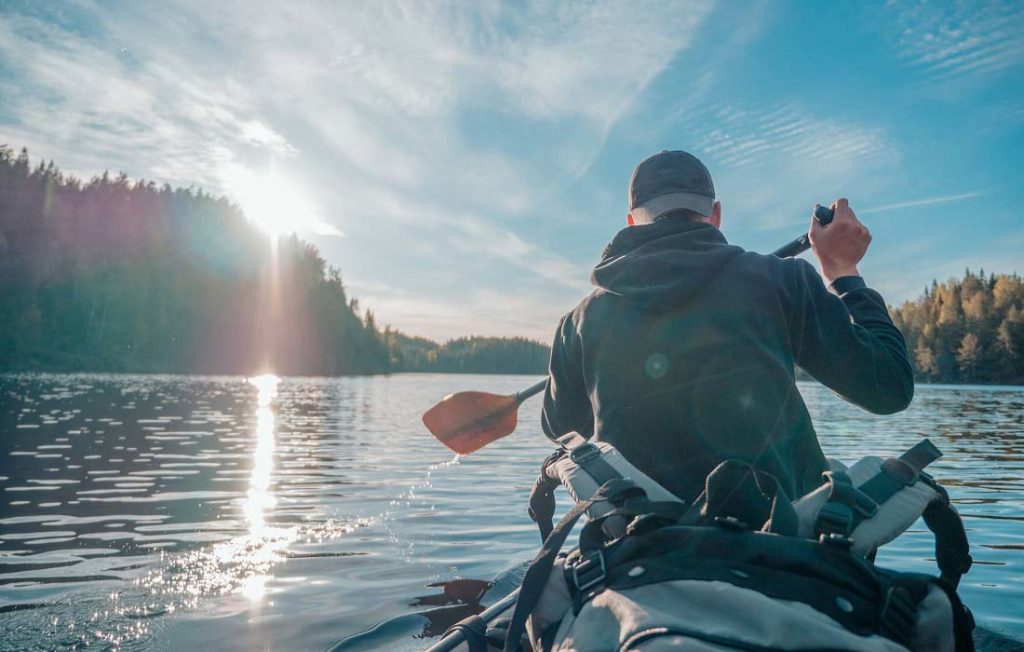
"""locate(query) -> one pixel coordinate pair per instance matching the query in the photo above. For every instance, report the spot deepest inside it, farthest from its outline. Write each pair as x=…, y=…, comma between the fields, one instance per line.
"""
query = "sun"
x=271, y=201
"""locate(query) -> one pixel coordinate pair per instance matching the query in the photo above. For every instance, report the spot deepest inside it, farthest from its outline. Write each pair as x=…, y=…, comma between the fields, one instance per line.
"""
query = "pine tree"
x=967, y=356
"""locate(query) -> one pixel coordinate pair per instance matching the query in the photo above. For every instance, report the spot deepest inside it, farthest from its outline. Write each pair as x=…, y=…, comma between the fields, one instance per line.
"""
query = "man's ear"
x=716, y=215
x=629, y=219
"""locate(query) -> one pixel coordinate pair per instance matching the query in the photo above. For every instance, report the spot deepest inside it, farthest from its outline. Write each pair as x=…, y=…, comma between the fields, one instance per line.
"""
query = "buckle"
x=836, y=540
x=900, y=471
x=834, y=518
x=844, y=492
x=584, y=453
x=589, y=571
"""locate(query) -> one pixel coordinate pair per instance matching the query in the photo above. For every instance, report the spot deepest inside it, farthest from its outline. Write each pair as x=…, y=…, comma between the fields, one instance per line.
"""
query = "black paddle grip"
x=824, y=215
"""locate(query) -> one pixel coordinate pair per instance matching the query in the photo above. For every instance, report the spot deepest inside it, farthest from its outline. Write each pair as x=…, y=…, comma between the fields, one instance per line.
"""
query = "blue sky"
x=464, y=163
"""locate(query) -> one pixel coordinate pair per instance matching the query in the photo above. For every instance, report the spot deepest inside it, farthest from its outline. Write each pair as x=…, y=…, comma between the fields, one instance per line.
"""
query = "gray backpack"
x=744, y=567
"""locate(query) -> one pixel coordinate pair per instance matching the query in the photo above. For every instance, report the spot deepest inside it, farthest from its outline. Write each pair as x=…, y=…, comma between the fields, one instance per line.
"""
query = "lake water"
x=167, y=512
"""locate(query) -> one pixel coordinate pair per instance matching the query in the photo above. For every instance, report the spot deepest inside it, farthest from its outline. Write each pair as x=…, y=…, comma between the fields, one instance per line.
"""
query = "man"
x=683, y=356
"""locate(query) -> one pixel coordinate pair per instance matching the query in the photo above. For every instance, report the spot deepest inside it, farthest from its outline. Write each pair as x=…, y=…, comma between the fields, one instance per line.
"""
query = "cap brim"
x=651, y=209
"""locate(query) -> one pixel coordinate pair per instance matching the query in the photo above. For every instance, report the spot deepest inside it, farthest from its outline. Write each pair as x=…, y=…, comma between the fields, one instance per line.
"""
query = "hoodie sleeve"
x=566, y=403
x=846, y=340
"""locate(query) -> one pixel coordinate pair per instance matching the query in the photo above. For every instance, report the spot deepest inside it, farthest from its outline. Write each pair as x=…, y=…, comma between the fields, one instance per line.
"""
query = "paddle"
x=456, y=637
x=467, y=421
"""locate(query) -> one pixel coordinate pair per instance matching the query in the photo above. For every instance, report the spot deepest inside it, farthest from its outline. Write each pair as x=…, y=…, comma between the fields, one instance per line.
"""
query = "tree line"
x=113, y=274
x=968, y=330
x=478, y=355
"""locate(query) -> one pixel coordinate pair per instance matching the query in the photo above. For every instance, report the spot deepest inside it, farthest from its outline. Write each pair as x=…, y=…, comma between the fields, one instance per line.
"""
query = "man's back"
x=684, y=356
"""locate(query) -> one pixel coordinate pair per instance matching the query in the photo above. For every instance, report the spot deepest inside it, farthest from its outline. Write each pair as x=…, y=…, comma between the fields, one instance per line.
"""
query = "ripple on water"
x=209, y=509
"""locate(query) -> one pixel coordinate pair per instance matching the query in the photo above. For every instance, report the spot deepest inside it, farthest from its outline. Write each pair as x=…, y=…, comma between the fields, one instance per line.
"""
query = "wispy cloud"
x=772, y=163
x=742, y=137
x=927, y=201
x=86, y=102
x=959, y=40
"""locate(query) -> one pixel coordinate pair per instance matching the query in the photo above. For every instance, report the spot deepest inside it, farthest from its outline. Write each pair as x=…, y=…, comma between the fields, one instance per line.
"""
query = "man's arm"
x=566, y=403
x=846, y=340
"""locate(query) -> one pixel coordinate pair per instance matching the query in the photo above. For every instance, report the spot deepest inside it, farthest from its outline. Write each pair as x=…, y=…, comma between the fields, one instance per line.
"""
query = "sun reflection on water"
x=264, y=542
x=243, y=564
x=260, y=498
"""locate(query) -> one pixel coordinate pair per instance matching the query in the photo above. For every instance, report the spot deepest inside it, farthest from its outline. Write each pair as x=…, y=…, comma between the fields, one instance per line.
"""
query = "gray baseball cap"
x=671, y=180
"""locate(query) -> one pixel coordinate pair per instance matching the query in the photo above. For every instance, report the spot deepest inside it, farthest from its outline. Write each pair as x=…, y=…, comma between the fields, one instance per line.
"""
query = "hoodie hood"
x=660, y=266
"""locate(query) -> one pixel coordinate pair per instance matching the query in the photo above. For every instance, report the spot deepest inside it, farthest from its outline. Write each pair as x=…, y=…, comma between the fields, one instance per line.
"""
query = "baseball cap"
x=668, y=181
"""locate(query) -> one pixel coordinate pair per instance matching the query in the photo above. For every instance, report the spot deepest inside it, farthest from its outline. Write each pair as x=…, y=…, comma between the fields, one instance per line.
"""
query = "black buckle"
x=584, y=453
x=844, y=492
x=900, y=471
x=836, y=540
x=834, y=518
x=589, y=571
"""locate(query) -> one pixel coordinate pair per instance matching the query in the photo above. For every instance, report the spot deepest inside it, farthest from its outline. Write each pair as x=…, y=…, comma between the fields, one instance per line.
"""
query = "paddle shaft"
x=457, y=637
x=532, y=390
x=797, y=246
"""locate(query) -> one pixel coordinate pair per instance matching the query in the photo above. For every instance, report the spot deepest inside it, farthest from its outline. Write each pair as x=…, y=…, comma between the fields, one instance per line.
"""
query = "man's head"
x=672, y=185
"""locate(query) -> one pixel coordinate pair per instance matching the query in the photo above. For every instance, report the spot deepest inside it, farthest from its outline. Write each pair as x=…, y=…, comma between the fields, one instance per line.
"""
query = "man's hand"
x=840, y=245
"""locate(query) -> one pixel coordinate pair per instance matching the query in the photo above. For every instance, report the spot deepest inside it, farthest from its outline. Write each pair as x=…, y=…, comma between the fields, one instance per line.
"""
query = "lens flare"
x=273, y=203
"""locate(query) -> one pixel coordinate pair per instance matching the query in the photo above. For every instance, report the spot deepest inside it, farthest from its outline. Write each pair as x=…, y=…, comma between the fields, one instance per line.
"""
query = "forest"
x=479, y=355
x=118, y=275
x=968, y=330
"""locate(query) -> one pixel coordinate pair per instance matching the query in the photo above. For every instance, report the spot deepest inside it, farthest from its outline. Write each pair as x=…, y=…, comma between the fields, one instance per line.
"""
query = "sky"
x=464, y=163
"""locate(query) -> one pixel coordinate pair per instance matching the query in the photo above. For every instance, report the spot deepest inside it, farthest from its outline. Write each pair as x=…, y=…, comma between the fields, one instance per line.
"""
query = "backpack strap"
x=952, y=551
x=844, y=509
x=847, y=506
x=586, y=456
x=900, y=472
x=542, y=496
x=537, y=574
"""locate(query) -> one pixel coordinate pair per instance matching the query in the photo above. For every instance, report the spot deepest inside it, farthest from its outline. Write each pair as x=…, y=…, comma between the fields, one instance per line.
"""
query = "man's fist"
x=840, y=245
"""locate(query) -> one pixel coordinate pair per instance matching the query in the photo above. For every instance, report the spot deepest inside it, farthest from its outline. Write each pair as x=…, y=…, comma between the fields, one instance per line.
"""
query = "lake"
x=171, y=512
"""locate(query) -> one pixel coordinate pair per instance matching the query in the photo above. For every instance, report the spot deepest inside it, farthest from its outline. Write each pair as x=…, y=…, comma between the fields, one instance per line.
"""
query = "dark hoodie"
x=684, y=356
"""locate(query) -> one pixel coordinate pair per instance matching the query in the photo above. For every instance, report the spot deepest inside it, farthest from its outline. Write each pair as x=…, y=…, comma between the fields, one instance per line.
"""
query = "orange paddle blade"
x=468, y=421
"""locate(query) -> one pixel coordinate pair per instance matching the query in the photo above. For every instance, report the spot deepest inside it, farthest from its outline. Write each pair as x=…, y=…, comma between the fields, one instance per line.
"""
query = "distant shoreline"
x=197, y=374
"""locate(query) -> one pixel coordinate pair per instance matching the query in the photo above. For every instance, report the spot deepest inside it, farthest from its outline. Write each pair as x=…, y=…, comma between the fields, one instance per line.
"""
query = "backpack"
x=743, y=567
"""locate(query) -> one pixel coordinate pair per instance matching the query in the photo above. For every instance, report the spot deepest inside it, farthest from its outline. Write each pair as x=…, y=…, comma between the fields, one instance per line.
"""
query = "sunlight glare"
x=254, y=587
x=273, y=203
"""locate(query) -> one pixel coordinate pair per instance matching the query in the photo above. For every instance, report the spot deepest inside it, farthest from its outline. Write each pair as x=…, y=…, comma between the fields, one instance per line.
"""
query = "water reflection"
x=264, y=543
x=260, y=498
